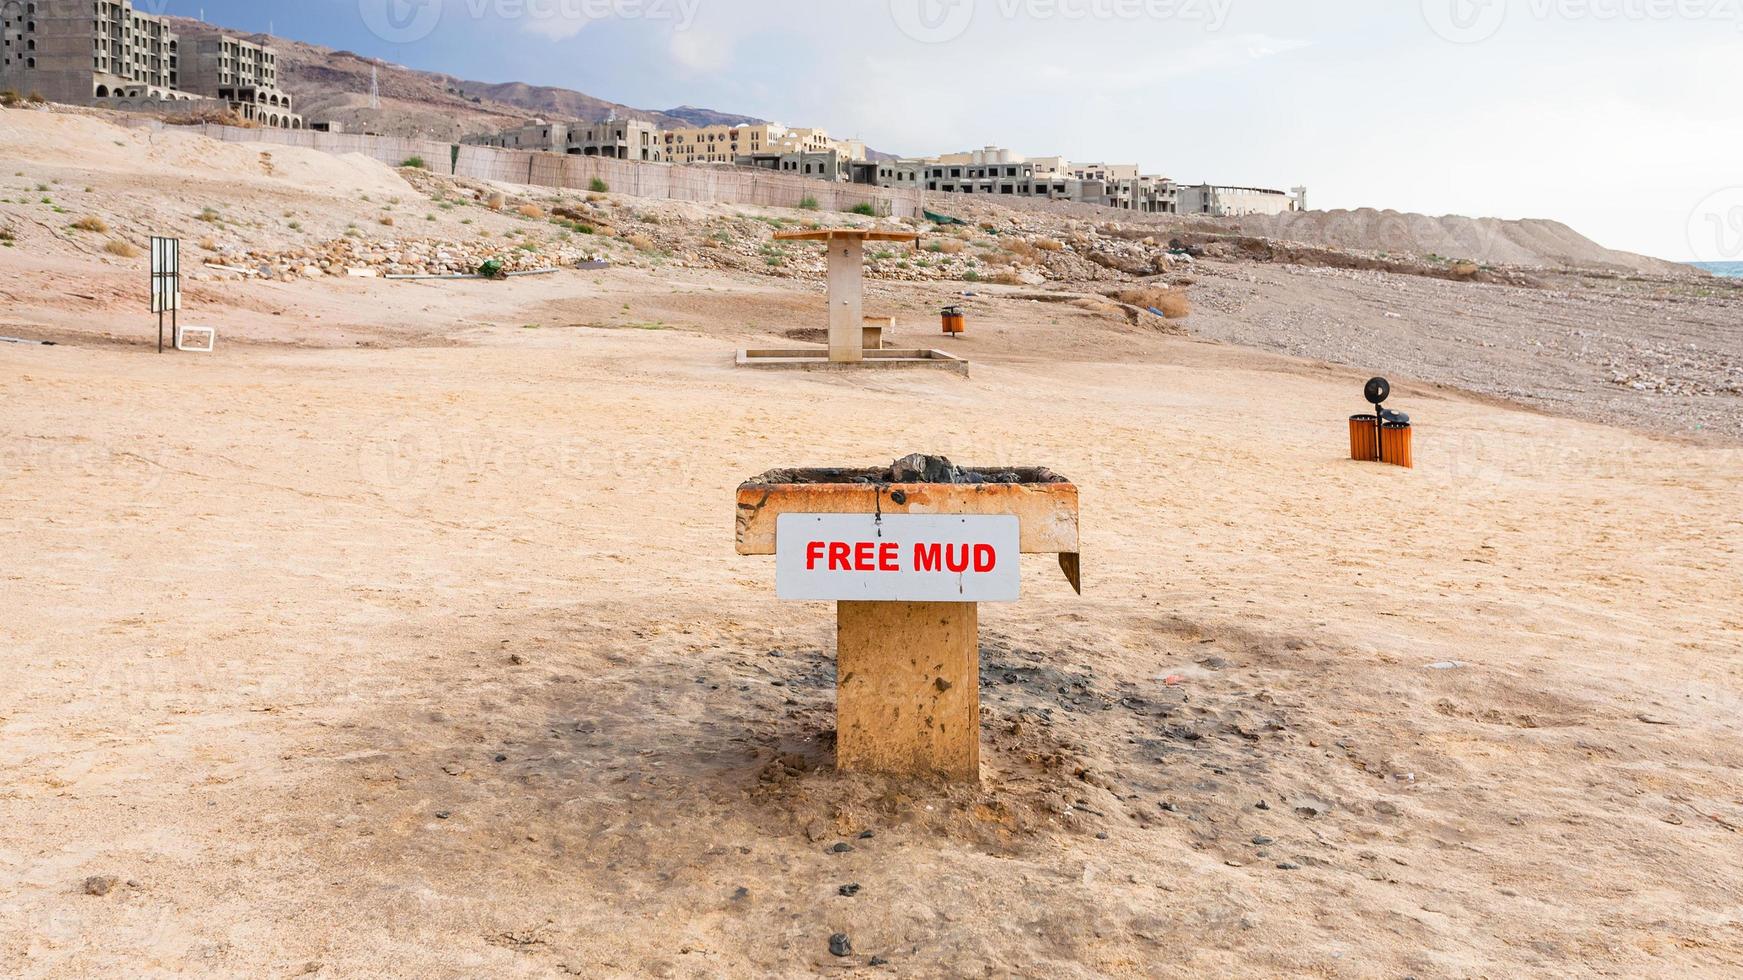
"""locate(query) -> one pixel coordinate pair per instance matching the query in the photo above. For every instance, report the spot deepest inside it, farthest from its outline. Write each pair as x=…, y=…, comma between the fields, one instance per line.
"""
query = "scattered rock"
x=840, y=945
x=842, y=848
x=1288, y=866
x=920, y=468
x=848, y=891
x=1263, y=841
x=100, y=885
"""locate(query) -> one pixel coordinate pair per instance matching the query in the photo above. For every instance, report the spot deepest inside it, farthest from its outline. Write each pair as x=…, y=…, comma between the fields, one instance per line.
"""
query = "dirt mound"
x=1491, y=241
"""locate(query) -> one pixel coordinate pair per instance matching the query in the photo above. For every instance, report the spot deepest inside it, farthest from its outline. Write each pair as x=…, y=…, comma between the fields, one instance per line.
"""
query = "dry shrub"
x=126, y=250
x=642, y=243
x=1049, y=245
x=208, y=244
x=387, y=219
x=1172, y=302
x=91, y=223
x=1008, y=277
x=530, y=211
x=496, y=202
x=948, y=246
x=605, y=231
x=1021, y=249
x=225, y=116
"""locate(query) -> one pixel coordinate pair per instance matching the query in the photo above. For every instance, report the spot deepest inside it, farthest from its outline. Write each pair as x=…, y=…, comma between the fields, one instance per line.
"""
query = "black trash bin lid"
x=1394, y=418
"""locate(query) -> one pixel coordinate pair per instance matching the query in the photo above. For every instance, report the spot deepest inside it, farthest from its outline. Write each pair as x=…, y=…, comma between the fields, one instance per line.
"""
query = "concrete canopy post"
x=846, y=300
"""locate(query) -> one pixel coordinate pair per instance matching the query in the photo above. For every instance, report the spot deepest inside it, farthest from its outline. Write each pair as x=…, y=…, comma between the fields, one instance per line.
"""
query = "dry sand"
x=398, y=638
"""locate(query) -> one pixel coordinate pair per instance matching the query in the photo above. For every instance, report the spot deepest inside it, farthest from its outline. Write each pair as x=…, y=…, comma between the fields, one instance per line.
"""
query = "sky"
x=1621, y=118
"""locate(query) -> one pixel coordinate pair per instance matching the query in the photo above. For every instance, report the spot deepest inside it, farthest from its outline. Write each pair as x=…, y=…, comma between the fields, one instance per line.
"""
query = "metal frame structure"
x=166, y=286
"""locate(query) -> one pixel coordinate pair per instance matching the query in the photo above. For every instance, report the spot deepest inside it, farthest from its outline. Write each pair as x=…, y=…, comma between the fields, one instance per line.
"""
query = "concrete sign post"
x=907, y=564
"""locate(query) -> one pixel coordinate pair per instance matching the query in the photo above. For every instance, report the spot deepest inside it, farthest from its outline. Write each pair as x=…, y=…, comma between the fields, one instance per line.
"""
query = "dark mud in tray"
x=914, y=469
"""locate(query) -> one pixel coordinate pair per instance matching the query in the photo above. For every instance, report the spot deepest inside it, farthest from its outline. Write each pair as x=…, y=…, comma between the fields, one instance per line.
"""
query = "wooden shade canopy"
x=860, y=234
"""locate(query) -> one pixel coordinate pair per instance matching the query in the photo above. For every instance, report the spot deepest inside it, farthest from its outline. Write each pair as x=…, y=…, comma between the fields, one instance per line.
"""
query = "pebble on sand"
x=840, y=945
x=100, y=885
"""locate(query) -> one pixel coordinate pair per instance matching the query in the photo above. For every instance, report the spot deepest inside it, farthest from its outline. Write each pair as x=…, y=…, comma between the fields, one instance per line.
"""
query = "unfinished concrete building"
x=245, y=75
x=106, y=53
x=618, y=139
x=1220, y=201
x=535, y=135
x=825, y=165
x=82, y=53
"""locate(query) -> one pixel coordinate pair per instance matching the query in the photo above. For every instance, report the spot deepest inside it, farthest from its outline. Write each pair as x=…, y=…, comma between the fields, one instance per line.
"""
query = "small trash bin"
x=1364, y=438
x=1395, y=445
x=954, y=321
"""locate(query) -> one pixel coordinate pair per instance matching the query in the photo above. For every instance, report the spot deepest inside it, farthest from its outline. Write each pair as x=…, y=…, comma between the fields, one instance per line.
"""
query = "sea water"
x=1730, y=270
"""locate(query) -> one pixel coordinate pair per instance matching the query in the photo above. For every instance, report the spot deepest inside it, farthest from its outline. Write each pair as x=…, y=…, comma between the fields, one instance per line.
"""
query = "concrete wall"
x=727, y=185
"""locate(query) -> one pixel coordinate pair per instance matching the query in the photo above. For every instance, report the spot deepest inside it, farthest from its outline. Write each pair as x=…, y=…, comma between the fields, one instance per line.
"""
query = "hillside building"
x=243, y=74
x=106, y=53
x=1221, y=201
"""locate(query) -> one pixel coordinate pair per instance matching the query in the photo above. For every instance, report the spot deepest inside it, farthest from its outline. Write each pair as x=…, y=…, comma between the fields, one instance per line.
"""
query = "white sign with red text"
x=897, y=558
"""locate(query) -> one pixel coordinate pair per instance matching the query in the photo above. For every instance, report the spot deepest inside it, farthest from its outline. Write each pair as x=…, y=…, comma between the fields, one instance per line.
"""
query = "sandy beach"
x=404, y=635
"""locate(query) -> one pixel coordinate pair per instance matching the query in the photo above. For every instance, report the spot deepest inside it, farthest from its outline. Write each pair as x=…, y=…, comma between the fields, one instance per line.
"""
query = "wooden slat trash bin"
x=1395, y=445
x=1364, y=438
x=908, y=553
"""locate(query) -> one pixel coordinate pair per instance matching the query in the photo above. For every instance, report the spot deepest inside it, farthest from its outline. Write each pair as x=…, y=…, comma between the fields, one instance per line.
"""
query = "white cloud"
x=700, y=52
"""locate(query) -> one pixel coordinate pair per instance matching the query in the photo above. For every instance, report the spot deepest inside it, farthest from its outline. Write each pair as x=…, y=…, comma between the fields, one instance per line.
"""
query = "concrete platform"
x=817, y=359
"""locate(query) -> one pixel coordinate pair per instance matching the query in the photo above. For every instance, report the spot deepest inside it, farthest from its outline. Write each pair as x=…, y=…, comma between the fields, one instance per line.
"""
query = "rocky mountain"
x=693, y=116
x=330, y=84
